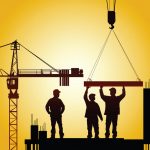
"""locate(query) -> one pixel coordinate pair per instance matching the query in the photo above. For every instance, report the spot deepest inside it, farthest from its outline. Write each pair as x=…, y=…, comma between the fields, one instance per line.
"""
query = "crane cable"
x=108, y=4
x=127, y=56
x=39, y=58
x=101, y=52
x=32, y=54
x=114, y=5
x=98, y=58
x=5, y=45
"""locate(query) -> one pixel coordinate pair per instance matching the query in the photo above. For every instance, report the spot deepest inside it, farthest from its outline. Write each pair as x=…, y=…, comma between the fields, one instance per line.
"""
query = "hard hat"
x=112, y=89
x=91, y=95
x=56, y=91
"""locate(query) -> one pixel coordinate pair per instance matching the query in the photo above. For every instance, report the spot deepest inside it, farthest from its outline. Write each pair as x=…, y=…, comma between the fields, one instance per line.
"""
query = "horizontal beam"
x=112, y=83
x=42, y=75
x=49, y=75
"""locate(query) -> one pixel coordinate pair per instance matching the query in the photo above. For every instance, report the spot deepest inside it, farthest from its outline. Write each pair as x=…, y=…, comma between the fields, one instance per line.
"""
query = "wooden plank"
x=113, y=83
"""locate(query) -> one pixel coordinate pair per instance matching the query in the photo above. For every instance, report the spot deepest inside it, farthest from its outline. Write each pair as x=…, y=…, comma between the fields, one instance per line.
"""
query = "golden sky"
x=67, y=34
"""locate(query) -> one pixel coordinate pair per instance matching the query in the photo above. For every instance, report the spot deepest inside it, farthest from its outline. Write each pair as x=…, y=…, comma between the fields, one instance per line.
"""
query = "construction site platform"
x=78, y=143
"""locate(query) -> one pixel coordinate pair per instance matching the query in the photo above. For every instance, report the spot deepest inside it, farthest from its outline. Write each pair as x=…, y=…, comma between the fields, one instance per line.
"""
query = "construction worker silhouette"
x=112, y=109
x=55, y=108
x=92, y=113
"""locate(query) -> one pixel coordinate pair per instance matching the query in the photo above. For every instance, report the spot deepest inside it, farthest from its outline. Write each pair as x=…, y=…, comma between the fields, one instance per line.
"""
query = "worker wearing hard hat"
x=112, y=109
x=55, y=108
x=92, y=113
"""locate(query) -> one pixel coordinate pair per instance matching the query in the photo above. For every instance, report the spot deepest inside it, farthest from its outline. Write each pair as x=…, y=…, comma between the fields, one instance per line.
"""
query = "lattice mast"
x=12, y=84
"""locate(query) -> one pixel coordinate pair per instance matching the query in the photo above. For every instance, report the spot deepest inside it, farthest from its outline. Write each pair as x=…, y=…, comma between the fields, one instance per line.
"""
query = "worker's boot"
x=96, y=136
x=61, y=135
x=114, y=132
x=89, y=136
x=114, y=135
x=107, y=135
x=52, y=135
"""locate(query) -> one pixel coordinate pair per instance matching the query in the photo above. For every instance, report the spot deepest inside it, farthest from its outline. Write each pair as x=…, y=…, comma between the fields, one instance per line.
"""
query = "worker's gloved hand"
x=87, y=87
x=101, y=87
x=123, y=88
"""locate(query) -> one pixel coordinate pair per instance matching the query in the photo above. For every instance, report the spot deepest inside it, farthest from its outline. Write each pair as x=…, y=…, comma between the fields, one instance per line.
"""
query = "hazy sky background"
x=67, y=34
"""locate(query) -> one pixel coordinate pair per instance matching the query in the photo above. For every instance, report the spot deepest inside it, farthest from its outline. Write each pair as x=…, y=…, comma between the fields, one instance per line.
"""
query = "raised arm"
x=104, y=98
x=123, y=94
x=86, y=95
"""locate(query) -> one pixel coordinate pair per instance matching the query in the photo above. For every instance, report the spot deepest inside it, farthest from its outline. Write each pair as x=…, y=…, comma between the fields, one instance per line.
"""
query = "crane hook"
x=112, y=26
x=111, y=18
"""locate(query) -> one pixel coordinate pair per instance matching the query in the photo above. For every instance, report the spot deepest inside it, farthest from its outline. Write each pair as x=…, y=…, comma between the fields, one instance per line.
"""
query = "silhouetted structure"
x=55, y=108
x=36, y=135
x=37, y=140
x=92, y=113
x=112, y=109
x=146, y=98
x=147, y=84
x=80, y=143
